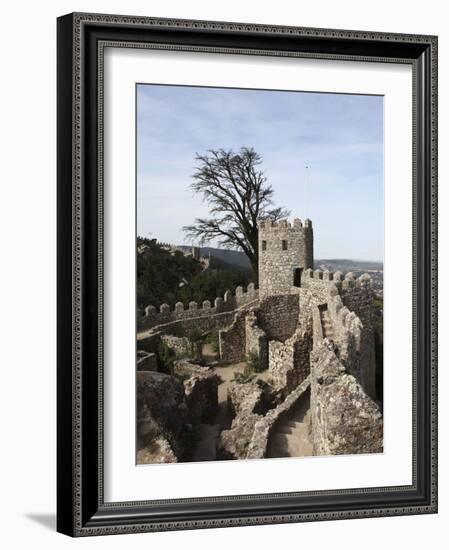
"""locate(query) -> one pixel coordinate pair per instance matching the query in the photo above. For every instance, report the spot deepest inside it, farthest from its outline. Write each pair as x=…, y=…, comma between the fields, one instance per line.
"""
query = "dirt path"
x=209, y=354
x=208, y=434
x=226, y=374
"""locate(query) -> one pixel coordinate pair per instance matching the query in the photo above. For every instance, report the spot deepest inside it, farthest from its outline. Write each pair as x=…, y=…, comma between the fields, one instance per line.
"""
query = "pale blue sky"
x=340, y=138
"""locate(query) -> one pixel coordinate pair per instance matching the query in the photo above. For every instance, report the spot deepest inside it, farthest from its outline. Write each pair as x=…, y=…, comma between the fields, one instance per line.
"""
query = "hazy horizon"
x=328, y=258
x=322, y=153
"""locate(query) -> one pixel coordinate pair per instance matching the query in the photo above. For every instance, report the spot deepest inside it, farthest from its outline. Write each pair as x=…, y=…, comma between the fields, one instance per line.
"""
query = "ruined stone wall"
x=201, y=391
x=181, y=345
x=288, y=361
x=282, y=248
x=265, y=426
x=146, y=340
x=161, y=412
x=358, y=296
x=247, y=404
x=232, y=340
x=278, y=316
x=345, y=420
x=153, y=317
x=256, y=341
x=349, y=301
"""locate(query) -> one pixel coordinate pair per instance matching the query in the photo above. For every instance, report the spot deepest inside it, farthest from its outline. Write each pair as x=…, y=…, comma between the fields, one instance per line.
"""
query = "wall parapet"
x=165, y=314
x=340, y=279
x=271, y=226
x=288, y=361
x=345, y=323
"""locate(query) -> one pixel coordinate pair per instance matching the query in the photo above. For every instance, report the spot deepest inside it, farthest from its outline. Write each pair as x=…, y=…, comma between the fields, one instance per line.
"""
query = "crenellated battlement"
x=342, y=318
x=340, y=279
x=153, y=316
x=273, y=227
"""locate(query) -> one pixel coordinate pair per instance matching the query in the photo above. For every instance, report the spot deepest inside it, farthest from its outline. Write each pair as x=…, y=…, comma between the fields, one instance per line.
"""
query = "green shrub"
x=150, y=345
x=253, y=366
x=246, y=376
x=212, y=339
x=178, y=330
x=195, y=335
x=166, y=358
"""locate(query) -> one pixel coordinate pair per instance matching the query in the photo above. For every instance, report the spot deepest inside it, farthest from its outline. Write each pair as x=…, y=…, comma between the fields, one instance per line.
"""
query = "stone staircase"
x=292, y=437
x=326, y=323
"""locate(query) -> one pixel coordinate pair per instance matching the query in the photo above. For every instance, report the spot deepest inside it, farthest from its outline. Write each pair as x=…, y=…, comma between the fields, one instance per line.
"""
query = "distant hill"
x=232, y=257
x=237, y=258
x=170, y=276
x=347, y=265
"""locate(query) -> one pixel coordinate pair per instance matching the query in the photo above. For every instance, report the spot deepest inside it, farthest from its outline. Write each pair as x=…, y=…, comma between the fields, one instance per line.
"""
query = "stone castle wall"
x=353, y=340
x=147, y=340
x=256, y=341
x=153, y=317
x=232, y=340
x=278, y=316
x=323, y=283
x=288, y=361
x=181, y=345
x=345, y=420
x=359, y=298
x=282, y=248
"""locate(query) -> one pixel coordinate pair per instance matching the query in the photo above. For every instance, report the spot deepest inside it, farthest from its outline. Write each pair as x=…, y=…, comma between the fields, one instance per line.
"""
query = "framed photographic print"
x=247, y=282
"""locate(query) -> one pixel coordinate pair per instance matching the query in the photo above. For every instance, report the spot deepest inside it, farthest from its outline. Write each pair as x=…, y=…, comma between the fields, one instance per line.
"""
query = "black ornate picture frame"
x=81, y=509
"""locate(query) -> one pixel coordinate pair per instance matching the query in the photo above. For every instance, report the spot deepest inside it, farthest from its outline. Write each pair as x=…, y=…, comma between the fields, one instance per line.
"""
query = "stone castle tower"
x=285, y=251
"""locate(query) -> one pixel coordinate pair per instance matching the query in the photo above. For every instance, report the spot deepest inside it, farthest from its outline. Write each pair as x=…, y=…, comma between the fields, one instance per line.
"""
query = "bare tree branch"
x=238, y=195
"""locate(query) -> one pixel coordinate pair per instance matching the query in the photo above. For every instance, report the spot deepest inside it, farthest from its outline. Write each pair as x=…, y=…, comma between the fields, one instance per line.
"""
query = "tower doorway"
x=297, y=272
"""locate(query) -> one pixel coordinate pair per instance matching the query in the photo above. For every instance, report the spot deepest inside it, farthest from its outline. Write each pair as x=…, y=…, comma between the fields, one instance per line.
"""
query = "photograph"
x=259, y=274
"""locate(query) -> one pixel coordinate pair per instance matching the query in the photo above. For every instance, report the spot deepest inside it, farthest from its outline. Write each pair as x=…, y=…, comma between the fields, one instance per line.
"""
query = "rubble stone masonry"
x=285, y=250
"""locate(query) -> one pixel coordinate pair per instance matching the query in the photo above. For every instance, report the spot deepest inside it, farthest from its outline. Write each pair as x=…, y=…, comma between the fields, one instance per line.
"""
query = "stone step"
x=292, y=428
x=285, y=430
x=291, y=445
x=293, y=424
x=286, y=439
x=292, y=436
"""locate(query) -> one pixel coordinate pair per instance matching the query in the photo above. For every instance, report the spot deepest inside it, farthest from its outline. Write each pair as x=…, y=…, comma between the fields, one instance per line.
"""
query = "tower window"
x=284, y=245
x=264, y=245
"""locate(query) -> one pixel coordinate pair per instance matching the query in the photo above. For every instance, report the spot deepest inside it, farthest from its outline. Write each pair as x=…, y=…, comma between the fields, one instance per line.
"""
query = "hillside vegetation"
x=166, y=277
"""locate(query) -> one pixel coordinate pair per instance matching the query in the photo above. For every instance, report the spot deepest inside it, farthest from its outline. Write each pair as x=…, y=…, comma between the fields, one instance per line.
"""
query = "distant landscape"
x=358, y=267
x=167, y=273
